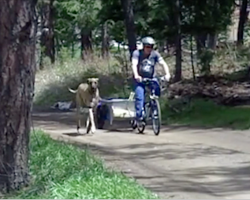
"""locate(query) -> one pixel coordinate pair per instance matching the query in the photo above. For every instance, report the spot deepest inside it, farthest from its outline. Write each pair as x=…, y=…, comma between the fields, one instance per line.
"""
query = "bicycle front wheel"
x=156, y=116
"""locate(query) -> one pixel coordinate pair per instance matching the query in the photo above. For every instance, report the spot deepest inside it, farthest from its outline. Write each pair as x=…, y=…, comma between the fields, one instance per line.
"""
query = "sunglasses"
x=148, y=46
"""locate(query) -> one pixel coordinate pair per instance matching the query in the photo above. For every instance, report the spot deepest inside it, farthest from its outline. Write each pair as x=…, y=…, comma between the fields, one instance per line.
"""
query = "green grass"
x=208, y=114
x=62, y=171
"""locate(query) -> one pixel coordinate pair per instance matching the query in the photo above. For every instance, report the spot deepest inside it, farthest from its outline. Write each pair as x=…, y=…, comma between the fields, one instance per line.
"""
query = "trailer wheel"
x=101, y=115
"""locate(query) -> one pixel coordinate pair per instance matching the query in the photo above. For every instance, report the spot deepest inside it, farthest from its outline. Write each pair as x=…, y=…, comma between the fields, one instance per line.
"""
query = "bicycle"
x=151, y=108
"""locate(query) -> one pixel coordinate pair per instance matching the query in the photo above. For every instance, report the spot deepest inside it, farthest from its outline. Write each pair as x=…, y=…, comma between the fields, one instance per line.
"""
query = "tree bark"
x=192, y=56
x=200, y=43
x=47, y=25
x=178, y=56
x=105, y=41
x=130, y=24
x=17, y=74
x=243, y=18
x=161, y=47
x=206, y=44
x=72, y=49
x=86, y=44
x=212, y=40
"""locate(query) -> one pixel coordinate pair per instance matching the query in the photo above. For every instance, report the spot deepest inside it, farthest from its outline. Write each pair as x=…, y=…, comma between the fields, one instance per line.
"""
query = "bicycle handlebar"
x=162, y=78
x=157, y=79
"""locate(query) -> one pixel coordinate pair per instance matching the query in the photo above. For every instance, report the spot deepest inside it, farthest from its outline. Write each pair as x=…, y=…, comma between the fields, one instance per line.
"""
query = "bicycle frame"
x=147, y=102
x=151, y=106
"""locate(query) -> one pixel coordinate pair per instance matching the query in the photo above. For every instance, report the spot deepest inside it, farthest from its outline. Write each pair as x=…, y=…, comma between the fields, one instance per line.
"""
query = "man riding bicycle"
x=143, y=66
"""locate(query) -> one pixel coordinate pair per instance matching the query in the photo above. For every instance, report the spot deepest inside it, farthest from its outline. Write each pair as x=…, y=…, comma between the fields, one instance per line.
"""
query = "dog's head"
x=93, y=83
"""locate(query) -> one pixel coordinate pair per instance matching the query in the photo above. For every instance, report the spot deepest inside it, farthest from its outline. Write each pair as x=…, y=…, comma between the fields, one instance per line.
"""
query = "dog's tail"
x=72, y=91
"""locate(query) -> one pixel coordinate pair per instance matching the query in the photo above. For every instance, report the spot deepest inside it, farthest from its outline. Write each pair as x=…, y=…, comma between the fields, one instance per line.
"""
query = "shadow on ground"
x=215, y=181
x=150, y=162
x=47, y=114
x=148, y=168
x=232, y=180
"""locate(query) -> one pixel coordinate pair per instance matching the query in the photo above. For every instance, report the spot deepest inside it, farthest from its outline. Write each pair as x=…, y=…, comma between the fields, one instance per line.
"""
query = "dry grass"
x=52, y=83
x=228, y=60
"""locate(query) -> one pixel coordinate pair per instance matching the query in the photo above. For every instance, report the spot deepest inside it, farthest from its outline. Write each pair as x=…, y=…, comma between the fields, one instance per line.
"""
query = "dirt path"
x=181, y=163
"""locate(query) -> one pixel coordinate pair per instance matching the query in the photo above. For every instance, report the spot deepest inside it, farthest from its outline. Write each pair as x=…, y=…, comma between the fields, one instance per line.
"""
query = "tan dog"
x=87, y=95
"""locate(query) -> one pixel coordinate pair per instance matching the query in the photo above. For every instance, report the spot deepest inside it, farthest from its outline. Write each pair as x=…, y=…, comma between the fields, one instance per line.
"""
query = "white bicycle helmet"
x=148, y=41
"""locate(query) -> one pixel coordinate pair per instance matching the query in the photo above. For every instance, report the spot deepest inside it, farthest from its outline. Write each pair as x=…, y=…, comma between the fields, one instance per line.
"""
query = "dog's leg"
x=78, y=117
x=92, y=121
x=88, y=125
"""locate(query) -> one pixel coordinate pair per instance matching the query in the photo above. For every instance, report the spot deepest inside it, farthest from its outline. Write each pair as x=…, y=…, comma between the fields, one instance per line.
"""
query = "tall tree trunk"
x=167, y=47
x=212, y=40
x=206, y=44
x=17, y=74
x=200, y=43
x=161, y=47
x=86, y=44
x=47, y=25
x=72, y=49
x=178, y=56
x=243, y=18
x=130, y=24
x=192, y=56
x=105, y=41
x=39, y=58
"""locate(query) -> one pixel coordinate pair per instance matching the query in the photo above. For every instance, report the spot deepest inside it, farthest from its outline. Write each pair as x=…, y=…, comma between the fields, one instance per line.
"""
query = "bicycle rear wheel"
x=156, y=116
x=101, y=115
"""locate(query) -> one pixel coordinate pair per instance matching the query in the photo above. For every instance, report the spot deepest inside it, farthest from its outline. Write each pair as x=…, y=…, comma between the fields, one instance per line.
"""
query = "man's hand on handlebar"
x=138, y=78
x=162, y=78
x=167, y=77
